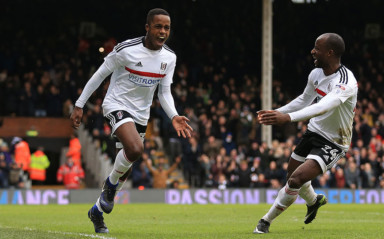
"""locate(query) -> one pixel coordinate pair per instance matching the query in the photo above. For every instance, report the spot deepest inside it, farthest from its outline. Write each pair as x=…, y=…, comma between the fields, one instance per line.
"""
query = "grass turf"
x=191, y=221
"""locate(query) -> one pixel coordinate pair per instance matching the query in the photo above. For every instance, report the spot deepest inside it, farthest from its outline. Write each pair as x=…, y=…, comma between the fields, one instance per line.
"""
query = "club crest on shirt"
x=163, y=66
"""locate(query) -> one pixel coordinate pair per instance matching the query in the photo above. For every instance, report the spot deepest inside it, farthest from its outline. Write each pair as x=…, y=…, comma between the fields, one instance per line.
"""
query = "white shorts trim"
x=114, y=128
x=297, y=157
x=319, y=160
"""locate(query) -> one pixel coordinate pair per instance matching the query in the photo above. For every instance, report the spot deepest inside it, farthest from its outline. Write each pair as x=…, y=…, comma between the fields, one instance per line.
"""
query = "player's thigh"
x=125, y=130
x=128, y=136
x=293, y=164
x=307, y=171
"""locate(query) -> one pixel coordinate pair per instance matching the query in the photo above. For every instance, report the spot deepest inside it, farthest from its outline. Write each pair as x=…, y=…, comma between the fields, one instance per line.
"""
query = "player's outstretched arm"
x=181, y=126
x=273, y=117
x=76, y=116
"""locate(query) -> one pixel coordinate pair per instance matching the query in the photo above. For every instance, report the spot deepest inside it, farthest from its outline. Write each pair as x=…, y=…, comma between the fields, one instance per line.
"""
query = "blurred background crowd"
x=47, y=56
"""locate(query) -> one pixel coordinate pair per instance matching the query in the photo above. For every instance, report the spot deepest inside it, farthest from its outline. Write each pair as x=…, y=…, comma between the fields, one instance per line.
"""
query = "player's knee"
x=294, y=182
x=134, y=152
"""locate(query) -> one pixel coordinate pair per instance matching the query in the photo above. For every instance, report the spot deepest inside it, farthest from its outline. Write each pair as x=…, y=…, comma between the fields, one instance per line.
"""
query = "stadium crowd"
x=220, y=94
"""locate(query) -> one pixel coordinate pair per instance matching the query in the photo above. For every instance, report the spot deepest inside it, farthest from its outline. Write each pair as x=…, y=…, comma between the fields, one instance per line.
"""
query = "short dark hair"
x=336, y=43
x=154, y=12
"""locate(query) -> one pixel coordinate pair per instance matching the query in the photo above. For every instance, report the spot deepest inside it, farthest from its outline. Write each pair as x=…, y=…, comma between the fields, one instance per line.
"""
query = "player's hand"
x=181, y=126
x=261, y=112
x=272, y=117
x=76, y=116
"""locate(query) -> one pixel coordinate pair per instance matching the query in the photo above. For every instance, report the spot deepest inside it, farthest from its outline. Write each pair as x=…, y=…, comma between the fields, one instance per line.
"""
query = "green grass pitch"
x=191, y=221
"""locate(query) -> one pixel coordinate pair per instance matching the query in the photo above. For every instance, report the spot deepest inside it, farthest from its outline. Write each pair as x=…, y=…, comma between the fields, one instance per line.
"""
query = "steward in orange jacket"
x=70, y=174
x=74, y=150
x=22, y=153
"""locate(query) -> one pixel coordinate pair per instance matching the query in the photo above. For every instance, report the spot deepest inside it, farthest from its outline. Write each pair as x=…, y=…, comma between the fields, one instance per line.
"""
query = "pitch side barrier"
x=186, y=196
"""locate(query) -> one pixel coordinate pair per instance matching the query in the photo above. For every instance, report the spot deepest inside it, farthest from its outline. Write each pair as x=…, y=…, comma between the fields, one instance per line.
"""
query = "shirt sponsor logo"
x=143, y=81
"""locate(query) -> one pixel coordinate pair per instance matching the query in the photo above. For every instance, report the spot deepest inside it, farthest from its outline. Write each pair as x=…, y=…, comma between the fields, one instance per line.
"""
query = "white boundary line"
x=62, y=233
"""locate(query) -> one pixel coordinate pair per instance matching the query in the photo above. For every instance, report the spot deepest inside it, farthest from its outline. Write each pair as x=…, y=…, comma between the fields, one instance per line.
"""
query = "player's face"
x=320, y=53
x=157, y=31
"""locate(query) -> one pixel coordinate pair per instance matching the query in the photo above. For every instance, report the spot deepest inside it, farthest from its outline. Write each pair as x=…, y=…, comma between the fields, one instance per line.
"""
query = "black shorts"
x=117, y=118
x=315, y=146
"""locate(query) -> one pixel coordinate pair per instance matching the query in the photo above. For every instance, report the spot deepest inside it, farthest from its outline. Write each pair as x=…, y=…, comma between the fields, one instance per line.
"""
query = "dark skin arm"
x=273, y=117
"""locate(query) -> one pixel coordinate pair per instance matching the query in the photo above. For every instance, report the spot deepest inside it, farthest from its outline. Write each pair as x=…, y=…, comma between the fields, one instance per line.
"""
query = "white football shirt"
x=332, y=114
x=136, y=73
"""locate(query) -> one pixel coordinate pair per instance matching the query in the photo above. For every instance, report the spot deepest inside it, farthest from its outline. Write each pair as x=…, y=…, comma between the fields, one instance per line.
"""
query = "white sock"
x=122, y=164
x=307, y=193
x=284, y=199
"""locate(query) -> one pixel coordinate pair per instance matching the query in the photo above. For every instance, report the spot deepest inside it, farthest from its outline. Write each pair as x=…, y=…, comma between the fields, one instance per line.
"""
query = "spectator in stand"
x=38, y=166
x=232, y=173
x=70, y=174
x=246, y=119
x=254, y=151
x=222, y=182
x=363, y=130
x=381, y=181
x=141, y=176
x=16, y=176
x=175, y=184
x=22, y=153
x=244, y=173
x=191, y=165
x=212, y=147
x=205, y=176
x=364, y=156
x=160, y=174
x=352, y=175
x=5, y=150
x=259, y=181
x=96, y=120
x=274, y=175
x=367, y=176
x=228, y=143
x=322, y=181
x=339, y=177
x=74, y=150
x=54, y=102
x=26, y=98
x=4, y=171
x=40, y=102
x=264, y=156
x=217, y=168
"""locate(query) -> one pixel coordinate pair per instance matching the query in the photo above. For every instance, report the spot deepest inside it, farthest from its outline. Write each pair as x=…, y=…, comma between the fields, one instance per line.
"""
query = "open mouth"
x=314, y=60
x=161, y=39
